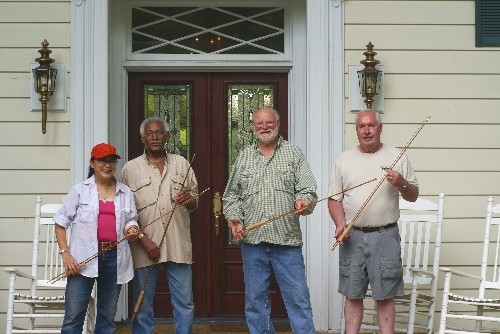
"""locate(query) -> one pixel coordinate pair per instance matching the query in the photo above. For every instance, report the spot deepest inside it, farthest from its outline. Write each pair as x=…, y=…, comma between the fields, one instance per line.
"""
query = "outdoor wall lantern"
x=44, y=80
x=365, y=81
x=370, y=78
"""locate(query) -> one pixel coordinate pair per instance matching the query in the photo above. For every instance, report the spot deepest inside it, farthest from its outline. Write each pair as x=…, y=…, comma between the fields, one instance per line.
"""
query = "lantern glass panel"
x=51, y=85
x=369, y=80
x=379, y=81
x=361, y=80
x=44, y=76
x=41, y=78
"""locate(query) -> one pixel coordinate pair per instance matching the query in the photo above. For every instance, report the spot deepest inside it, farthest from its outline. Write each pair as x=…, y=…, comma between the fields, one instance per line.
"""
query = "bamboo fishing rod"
x=259, y=224
x=113, y=245
x=351, y=223
x=141, y=294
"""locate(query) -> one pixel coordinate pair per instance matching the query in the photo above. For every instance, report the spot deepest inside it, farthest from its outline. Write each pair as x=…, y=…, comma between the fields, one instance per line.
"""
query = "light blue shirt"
x=80, y=210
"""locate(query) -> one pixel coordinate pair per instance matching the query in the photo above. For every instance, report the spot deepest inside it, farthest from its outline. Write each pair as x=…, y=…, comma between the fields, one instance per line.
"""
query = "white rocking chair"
x=484, y=307
x=420, y=226
x=44, y=300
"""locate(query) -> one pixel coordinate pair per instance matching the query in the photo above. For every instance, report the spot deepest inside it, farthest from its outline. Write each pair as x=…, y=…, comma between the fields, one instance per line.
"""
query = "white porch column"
x=325, y=105
x=90, y=91
x=89, y=81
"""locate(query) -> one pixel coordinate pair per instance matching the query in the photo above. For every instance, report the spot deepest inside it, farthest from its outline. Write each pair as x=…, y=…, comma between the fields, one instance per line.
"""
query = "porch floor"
x=207, y=325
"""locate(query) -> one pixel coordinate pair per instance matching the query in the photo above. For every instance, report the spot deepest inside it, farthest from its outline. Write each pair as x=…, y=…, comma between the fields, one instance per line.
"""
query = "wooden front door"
x=210, y=118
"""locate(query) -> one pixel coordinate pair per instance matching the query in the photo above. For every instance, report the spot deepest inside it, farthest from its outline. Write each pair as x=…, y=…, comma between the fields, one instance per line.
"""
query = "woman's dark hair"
x=91, y=170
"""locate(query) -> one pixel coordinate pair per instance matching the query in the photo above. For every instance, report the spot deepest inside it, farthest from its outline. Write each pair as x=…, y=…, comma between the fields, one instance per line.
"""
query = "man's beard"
x=268, y=137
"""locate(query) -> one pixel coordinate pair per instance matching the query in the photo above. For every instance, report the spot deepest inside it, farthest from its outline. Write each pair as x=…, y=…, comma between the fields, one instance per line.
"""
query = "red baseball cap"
x=103, y=150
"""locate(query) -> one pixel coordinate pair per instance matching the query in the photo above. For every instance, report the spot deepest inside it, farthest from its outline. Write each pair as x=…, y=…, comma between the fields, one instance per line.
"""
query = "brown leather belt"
x=106, y=245
x=374, y=229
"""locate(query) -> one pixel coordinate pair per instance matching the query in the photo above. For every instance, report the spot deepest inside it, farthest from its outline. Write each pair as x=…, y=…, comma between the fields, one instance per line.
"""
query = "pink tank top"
x=106, y=222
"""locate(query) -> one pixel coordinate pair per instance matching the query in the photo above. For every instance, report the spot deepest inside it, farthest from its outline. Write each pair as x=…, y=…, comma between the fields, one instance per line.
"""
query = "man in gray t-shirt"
x=371, y=253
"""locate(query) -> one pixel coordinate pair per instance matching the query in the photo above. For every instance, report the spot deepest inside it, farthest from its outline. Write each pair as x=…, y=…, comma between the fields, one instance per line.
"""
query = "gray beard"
x=272, y=136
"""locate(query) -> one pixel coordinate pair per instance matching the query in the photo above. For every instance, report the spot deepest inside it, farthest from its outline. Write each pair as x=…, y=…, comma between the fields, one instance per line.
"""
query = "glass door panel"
x=171, y=103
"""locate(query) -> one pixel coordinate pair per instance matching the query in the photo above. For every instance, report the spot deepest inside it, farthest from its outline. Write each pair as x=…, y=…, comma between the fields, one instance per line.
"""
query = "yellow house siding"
x=15, y=110
x=432, y=68
x=432, y=62
x=31, y=163
x=409, y=12
x=55, y=157
x=18, y=57
x=35, y=11
x=31, y=35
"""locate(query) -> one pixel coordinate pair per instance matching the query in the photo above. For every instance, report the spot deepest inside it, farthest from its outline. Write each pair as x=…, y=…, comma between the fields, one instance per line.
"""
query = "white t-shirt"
x=352, y=168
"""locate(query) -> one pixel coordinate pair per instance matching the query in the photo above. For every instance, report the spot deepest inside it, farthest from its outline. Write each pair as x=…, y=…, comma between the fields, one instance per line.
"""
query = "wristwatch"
x=63, y=251
x=140, y=236
x=405, y=187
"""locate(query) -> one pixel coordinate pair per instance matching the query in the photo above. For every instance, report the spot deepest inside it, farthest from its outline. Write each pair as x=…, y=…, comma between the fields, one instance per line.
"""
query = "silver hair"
x=378, y=118
x=166, y=126
x=276, y=115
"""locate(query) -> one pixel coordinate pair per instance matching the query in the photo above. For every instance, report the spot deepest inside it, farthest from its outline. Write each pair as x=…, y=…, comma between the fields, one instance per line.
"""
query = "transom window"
x=208, y=30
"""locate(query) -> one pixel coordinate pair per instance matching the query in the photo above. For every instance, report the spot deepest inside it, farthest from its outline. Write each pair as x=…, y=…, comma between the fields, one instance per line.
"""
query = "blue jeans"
x=179, y=277
x=288, y=265
x=77, y=296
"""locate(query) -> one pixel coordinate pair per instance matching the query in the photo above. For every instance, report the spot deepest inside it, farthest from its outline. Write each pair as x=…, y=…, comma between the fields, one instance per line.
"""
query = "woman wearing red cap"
x=100, y=211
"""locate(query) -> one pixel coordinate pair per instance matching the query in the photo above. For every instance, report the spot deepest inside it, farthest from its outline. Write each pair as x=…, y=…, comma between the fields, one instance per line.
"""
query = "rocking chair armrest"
x=14, y=271
x=420, y=272
x=459, y=273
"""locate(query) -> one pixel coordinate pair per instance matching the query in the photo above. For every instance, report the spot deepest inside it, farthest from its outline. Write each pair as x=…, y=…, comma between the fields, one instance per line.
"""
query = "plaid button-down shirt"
x=260, y=188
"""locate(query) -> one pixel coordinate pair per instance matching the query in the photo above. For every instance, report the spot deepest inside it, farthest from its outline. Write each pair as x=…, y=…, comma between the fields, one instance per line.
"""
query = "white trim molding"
x=89, y=81
x=336, y=137
x=325, y=108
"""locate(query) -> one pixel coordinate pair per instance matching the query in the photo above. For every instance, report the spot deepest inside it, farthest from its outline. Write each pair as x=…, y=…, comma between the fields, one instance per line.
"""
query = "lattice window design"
x=208, y=30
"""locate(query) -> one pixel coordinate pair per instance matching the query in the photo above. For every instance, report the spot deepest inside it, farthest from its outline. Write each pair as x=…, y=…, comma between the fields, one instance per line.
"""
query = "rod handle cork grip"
x=341, y=237
x=66, y=274
x=344, y=233
x=254, y=226
x=138, y=304
x=259, y=224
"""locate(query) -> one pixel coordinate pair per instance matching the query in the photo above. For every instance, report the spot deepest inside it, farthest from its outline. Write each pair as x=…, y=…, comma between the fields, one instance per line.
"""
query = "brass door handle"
x=217, y=212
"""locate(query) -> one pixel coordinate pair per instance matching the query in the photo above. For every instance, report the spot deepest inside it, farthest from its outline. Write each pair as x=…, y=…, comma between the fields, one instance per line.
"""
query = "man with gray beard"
x=268, y=178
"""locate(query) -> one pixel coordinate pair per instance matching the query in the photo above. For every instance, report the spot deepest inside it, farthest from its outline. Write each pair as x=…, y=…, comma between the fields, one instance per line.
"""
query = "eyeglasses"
x=261, y=124
x=158, y=133
x=103, y=162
